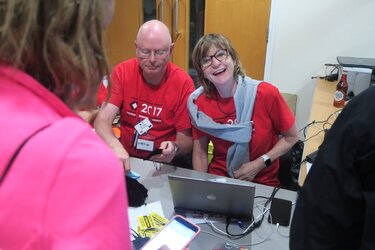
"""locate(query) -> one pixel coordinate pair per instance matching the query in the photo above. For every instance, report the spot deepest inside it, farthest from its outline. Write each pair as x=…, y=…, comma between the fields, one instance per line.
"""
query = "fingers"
x=126, y=165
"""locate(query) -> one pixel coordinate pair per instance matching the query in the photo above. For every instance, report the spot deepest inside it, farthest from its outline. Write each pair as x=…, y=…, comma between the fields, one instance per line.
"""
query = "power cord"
x=333, y=75
x=257, y=222
x=138, y=241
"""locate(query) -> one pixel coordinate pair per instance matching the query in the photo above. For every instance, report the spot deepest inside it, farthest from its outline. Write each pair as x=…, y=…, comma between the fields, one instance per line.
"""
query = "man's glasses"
x=220, y=55
x=146, y=53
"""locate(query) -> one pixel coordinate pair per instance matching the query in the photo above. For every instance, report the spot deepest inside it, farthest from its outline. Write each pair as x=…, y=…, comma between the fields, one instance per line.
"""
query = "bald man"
x=150, y=93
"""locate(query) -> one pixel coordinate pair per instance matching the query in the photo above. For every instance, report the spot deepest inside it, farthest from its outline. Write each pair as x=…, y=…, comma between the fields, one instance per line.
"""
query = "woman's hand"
x=249, y=170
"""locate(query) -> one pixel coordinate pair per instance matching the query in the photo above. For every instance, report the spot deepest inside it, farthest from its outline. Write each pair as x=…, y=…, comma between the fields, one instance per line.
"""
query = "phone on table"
x=280, y=212
x=175, y=235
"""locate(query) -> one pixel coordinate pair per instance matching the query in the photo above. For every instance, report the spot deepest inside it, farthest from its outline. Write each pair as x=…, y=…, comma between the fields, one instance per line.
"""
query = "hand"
x=123, y=155
x=249, y=170
x=168, y=153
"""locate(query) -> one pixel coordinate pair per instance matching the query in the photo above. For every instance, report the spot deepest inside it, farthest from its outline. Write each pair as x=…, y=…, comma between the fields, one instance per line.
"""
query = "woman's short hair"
x=57, y=42
x=201, y=50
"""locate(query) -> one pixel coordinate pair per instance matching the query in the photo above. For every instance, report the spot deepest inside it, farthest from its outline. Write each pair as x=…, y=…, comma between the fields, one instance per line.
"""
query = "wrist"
x=176, y=148
x=266, y=160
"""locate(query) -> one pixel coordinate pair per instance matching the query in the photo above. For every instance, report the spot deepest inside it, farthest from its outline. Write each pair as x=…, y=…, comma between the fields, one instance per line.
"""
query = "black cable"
x=325, y=122
x=256, y=224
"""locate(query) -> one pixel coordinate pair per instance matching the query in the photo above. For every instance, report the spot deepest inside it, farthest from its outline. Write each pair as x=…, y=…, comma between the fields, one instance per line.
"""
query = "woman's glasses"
x=220, y=55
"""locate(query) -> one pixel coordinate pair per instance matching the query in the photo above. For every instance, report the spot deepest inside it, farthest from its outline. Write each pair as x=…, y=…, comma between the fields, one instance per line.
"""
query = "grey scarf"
x=239, y=133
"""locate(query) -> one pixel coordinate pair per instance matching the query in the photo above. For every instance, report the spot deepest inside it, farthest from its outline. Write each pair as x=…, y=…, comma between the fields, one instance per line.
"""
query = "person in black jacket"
x=336, y=205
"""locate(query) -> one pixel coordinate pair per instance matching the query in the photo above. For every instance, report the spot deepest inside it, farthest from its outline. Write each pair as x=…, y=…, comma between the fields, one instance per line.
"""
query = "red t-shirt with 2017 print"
x=164, y=105
x=271, y=116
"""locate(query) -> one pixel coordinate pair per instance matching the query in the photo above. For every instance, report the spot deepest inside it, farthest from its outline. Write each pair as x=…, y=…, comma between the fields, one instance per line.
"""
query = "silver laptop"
x=212, y=196
x=356, y=62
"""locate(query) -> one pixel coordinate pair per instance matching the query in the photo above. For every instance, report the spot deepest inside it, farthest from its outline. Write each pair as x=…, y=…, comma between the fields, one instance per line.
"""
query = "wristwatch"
x=267, y=160
x=176, y=148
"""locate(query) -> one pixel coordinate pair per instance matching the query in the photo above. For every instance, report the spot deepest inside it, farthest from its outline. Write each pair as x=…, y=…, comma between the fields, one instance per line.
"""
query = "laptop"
x=356, y=62
x=212, y=196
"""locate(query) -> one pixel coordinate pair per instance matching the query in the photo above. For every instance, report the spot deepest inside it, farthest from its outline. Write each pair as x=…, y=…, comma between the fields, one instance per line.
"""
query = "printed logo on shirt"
x=151, y=110
x=134, y=105
x=226, y=121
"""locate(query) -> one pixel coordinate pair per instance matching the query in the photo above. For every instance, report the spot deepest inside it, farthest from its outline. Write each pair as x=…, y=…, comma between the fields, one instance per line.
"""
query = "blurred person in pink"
x=61, y=187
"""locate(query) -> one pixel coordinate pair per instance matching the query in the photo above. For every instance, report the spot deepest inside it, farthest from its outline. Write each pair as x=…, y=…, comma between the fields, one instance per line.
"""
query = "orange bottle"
x=341, y=91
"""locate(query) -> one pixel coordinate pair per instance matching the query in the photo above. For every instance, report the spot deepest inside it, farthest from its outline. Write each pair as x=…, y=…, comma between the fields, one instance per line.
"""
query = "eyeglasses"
x=220, y=55
x=146, y=53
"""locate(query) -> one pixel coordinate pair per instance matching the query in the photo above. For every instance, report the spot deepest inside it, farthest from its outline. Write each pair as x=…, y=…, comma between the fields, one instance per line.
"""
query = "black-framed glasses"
x=220, y=55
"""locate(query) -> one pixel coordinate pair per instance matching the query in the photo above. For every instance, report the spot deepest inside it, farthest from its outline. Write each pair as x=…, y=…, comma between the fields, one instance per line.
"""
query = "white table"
x=158, y=190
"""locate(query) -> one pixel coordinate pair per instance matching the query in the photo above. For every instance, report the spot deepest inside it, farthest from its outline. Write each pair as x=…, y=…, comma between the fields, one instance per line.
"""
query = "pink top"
x=66, y=189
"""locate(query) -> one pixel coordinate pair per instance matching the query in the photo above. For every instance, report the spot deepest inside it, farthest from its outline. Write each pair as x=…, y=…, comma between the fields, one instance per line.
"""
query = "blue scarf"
x=239, y=133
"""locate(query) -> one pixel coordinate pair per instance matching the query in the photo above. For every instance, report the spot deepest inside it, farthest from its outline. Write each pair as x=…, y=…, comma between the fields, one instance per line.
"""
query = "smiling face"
x=217, y=64
x=220, y=73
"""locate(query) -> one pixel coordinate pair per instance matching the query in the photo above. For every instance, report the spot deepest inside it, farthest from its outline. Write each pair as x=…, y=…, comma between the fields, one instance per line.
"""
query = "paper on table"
x=135, y=212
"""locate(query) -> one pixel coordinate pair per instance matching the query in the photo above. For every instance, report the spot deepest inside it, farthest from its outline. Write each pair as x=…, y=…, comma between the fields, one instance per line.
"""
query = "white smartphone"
x=175, y=235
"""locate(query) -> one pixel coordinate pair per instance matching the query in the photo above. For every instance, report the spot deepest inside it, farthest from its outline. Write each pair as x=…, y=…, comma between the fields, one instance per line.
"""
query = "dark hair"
x=202, y=48
x=59, y=43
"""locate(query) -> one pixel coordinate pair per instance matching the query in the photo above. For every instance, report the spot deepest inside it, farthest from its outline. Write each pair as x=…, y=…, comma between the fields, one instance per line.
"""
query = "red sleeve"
x=117, y=78
x=182, y=115
x=281, y=115
x=102, y=94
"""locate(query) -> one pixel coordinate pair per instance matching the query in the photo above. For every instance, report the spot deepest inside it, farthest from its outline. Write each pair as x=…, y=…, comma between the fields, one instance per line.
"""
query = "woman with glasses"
x=248, y=121
x=151, y=93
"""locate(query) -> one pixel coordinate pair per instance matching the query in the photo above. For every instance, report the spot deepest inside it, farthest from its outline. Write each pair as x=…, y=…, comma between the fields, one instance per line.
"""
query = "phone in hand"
x=175, y=235
x=156, y=151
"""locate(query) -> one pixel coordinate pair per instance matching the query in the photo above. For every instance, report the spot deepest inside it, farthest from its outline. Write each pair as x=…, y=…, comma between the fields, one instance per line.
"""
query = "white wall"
x=306, y=34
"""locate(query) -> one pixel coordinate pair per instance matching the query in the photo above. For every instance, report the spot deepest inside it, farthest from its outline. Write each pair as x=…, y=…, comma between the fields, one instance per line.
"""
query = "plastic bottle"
x=341, y=91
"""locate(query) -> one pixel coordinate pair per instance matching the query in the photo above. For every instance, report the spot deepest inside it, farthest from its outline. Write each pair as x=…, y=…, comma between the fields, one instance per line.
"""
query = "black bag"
x=137, y=193
x=290, y=163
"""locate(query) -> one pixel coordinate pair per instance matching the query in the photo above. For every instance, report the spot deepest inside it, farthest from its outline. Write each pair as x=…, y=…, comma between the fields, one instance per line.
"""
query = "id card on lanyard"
x=141, y=139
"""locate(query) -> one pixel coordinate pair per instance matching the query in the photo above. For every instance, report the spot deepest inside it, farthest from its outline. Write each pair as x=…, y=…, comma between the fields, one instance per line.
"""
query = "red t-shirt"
x=271, y=115
x=164, y=105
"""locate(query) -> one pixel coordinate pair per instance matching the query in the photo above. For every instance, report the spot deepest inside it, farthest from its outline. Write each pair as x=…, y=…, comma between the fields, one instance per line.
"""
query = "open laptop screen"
x=213, y=197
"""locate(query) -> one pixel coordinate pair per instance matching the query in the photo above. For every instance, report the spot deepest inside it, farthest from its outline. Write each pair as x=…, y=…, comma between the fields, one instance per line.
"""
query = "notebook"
x=356, y=62
x=212, y=196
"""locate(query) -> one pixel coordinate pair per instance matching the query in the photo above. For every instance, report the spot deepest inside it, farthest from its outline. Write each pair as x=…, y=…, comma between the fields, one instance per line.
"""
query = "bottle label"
x=339, y=96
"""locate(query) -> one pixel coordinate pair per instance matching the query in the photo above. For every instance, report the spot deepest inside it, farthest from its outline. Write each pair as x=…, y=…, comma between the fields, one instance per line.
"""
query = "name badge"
x=143, y=126
x=145, y=145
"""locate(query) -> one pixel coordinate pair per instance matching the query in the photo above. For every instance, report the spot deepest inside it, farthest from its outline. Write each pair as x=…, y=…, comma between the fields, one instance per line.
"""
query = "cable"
x=324, y=122
x=277, y=229
x=238, y=244
x=257, y=222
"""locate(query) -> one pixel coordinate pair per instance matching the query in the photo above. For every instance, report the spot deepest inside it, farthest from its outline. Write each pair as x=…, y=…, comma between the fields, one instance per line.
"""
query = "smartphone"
x=175, y=235
x=280, y=211
x=156, y=151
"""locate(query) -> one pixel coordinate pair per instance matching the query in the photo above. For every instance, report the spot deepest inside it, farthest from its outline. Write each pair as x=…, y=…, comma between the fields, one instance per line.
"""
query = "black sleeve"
x=337, y=202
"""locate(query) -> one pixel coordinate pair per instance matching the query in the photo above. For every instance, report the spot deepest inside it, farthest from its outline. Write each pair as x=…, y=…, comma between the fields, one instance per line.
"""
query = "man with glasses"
x=150, y=93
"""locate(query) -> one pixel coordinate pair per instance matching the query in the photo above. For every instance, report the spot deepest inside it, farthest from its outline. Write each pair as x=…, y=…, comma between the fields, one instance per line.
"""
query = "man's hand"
x=168, y=153
x=123, y=155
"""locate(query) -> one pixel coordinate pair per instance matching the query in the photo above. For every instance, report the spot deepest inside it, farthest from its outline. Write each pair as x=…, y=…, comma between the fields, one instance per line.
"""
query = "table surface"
x=156, y=181
x=321, y=109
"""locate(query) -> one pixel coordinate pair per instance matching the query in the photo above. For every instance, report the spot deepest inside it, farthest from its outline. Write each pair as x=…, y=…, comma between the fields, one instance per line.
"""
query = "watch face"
x=268, y=162
x=176, y=147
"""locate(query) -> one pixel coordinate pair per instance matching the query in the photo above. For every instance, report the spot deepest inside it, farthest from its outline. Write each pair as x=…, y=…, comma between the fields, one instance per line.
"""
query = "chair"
x=290, y=161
